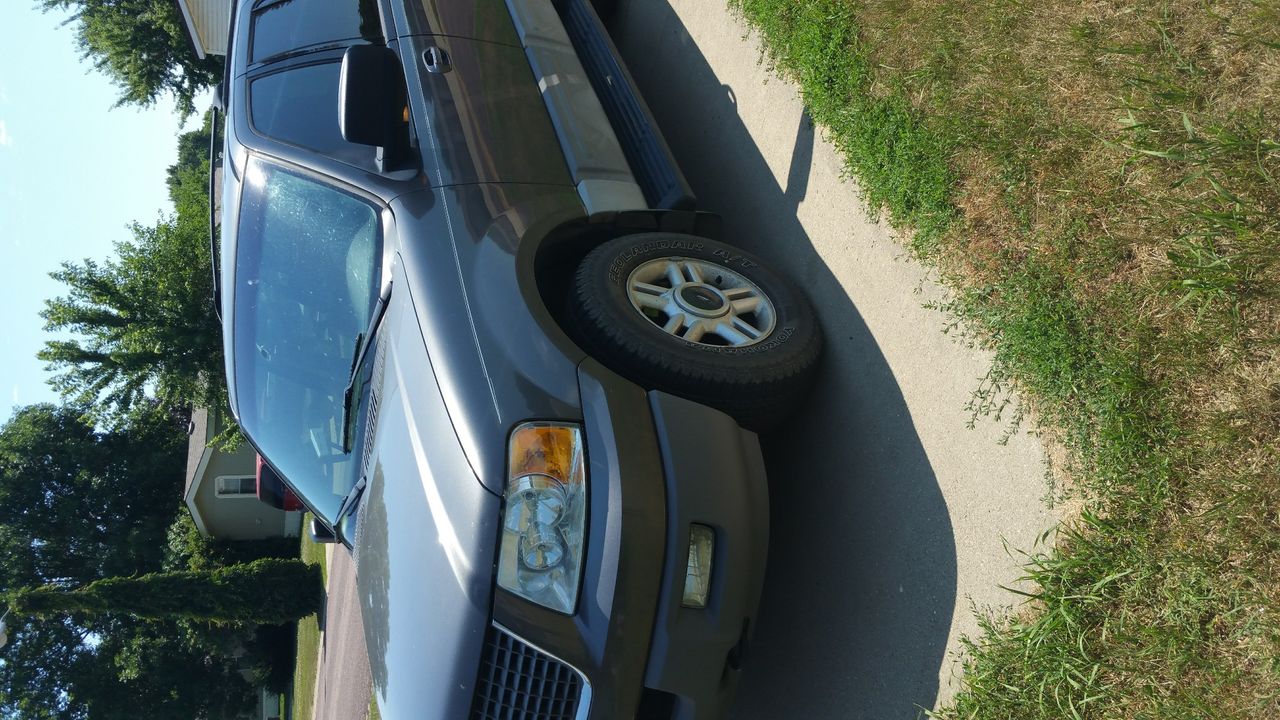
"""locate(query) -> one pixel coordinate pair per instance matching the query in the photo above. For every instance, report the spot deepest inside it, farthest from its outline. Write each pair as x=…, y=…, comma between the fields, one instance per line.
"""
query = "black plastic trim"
x=651, y=161
x=715, y=477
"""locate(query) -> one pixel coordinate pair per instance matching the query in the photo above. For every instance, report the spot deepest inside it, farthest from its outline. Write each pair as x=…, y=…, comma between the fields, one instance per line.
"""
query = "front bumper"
x=657, y=464
x=714, y=476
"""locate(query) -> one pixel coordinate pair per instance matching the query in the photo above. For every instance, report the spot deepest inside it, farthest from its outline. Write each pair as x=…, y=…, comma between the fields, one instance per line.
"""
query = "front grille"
x=520, y=682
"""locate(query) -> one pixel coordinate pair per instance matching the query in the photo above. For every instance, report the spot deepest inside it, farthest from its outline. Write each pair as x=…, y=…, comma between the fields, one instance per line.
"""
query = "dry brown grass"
x=1116, y=239
x=1067, y=101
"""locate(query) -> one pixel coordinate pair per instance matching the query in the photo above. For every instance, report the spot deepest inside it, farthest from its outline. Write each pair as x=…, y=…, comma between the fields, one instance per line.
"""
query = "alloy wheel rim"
x=701, y=302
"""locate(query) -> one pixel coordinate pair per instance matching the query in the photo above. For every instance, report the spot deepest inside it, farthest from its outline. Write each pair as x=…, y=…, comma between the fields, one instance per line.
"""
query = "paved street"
x=890, y=517
x=344, y=683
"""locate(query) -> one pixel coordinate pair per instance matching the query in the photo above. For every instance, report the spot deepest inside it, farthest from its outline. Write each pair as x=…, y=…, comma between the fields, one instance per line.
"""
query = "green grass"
x=308, y=653
x=373, y=709
x=304, y=672
x=314, y=553
x=902, y=165
x=1098, y=184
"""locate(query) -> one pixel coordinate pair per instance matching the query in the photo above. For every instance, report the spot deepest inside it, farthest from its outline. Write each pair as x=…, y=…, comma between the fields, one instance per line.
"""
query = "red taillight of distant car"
x=273, y=491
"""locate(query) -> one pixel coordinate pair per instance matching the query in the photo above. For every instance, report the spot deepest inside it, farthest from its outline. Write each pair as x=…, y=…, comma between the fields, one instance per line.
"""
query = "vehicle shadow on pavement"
x=861, y=584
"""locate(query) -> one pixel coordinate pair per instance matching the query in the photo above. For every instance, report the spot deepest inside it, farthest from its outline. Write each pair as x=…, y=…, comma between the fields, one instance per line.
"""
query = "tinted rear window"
x=288, y=25
x=299, y=106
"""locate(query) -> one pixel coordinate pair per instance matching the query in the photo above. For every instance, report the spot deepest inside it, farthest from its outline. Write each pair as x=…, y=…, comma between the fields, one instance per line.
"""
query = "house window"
x=228, y=486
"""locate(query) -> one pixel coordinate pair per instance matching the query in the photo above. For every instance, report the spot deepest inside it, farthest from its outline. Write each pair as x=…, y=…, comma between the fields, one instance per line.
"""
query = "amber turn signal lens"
x=550, y=450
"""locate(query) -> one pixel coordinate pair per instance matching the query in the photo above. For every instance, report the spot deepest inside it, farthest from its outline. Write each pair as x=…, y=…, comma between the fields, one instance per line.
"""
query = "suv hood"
x=425, y=537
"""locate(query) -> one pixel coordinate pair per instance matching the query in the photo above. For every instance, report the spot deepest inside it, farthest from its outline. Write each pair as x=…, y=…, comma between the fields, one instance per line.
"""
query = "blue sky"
x=74, y=172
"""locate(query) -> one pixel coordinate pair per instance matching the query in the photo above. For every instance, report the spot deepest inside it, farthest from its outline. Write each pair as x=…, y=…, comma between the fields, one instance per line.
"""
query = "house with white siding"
x=208, y=23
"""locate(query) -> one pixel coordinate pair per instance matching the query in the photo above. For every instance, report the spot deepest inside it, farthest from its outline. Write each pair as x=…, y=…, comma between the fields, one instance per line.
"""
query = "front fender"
x=499, y=356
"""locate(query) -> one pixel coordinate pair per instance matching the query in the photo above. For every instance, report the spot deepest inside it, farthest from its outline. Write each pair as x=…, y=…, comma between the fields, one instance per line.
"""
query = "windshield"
x=307, y=267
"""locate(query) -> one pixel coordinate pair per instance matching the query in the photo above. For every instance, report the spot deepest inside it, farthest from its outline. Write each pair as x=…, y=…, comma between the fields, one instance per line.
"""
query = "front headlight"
x=544, y=515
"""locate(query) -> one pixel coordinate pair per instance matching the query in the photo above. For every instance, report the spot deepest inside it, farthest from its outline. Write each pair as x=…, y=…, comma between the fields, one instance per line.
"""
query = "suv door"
x=481, y=107
x=477, y=111
x=278, y=28
x=487, y=20
x=470, y=80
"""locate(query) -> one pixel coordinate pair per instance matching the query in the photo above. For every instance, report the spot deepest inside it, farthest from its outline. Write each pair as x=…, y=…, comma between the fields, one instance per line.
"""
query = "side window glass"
x=286, y=25
x=299, y=106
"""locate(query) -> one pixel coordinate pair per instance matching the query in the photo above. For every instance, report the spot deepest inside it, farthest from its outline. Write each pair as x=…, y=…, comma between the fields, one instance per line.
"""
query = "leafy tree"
x=77, y=504
x=143, y=46
x=187, y=549
x=270, y=590
x=162, y=671
x=131, y=669
x=191, y=168
x=143, y=320
x=45, y=664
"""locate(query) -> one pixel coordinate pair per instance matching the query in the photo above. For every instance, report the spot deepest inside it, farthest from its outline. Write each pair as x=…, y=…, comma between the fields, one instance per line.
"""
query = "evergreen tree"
x=270, y=590
x=145, y=319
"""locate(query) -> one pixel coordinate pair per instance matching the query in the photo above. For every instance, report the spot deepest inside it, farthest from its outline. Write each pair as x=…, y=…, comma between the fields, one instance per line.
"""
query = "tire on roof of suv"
x=699, y=319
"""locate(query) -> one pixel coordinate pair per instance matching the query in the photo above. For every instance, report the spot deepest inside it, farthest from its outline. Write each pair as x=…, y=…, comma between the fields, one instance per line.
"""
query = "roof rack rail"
x=215, y=168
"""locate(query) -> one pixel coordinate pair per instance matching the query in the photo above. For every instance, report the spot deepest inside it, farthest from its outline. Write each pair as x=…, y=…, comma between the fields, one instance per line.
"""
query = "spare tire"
x=699, y=319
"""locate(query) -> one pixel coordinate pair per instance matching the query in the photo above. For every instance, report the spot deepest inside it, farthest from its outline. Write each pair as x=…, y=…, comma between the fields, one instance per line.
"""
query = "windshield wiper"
x=363, y=343
x=349, y=502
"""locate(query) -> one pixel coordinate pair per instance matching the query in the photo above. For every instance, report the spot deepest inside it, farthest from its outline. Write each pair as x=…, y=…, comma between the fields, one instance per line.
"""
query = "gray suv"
x=475, y=318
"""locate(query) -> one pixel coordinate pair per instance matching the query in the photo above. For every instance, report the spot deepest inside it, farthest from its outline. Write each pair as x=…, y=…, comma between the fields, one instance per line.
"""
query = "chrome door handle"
x=436, y=60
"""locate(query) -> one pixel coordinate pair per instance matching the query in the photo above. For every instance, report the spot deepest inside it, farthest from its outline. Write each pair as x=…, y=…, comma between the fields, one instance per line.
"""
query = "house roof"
x=197, y=445
x=208, y=24
x=198, y=453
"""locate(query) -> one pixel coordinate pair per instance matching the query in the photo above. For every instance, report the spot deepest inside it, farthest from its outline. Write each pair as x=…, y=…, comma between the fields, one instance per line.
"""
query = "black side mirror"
x=371, y=102
x=320, y=533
